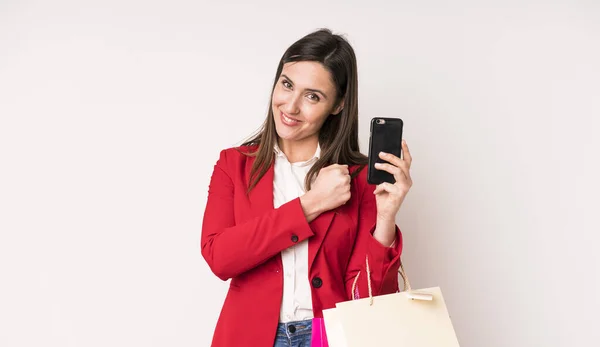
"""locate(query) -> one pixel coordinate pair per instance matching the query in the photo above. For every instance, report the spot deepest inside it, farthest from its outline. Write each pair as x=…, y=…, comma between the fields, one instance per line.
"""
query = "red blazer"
x=243, y=235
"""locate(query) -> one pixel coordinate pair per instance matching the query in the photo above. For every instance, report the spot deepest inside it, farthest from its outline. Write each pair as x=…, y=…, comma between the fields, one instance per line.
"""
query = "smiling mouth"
x=289, y=120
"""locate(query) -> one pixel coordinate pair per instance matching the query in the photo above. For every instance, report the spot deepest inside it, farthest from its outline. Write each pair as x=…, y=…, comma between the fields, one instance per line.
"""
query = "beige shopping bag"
x=411, y=318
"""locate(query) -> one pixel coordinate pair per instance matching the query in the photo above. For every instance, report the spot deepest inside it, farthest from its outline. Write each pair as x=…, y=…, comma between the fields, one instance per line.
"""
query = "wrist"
x=385, y=219
x=385, y=231
x=311, y=206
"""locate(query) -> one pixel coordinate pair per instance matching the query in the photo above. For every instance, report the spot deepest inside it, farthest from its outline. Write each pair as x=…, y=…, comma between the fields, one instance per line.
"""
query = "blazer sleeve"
x=231, y=249
x=384, y=262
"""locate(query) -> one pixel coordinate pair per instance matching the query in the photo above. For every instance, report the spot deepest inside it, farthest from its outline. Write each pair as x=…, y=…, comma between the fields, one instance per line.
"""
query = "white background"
x=112, y=115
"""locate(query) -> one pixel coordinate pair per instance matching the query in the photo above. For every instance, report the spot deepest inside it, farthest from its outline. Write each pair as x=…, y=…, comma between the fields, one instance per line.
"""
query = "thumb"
x=383, y=187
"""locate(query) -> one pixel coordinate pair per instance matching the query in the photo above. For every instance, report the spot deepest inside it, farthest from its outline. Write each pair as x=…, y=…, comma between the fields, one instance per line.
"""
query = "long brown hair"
x=338, y=137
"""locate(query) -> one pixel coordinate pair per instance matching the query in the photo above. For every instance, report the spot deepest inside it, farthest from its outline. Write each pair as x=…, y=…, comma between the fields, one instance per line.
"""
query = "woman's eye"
x=313, y=97
x=286, y=84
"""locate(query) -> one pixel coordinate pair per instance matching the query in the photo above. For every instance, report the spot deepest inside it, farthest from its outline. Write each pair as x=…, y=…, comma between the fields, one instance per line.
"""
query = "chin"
x=285, y=136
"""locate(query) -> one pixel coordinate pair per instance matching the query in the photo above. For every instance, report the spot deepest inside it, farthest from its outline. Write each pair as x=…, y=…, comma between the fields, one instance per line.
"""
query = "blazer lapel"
x=319, y=226
x=261, y=201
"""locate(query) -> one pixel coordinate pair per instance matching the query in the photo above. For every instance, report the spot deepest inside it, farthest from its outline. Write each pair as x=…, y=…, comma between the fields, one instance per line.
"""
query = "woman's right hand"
x=330, y=189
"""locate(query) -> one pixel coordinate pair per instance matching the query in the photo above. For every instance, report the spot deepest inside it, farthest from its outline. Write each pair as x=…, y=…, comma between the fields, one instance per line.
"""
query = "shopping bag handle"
x=401, y=271
x=404, y=276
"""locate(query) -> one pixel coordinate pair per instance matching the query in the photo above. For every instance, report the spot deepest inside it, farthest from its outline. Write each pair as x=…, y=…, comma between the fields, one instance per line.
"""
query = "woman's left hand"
x=389, y=196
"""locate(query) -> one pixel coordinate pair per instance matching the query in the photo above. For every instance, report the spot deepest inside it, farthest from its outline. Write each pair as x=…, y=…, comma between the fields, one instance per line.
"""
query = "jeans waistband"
x=295, y=328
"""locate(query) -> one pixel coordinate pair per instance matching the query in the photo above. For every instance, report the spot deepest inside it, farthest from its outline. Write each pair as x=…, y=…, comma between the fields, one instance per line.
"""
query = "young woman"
x=290, y=217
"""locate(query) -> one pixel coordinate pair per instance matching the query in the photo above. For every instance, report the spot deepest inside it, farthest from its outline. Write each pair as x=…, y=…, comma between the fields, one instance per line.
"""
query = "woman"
x=290, y=218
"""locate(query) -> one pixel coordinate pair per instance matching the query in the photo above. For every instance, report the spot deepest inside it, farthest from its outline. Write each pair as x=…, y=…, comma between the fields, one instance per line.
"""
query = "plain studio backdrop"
x=113, y=114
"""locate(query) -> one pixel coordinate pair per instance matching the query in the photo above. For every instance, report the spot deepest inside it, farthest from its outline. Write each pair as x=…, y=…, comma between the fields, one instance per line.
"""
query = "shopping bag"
x=333, y=326
x=319, y=337
x=411, y=318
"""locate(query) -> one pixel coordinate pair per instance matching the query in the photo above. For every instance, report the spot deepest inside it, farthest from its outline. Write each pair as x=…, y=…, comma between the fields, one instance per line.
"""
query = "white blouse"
x=288, y=184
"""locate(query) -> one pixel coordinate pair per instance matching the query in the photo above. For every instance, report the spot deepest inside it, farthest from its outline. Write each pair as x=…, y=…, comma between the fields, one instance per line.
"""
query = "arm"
x=384, y=262
x=231, y=249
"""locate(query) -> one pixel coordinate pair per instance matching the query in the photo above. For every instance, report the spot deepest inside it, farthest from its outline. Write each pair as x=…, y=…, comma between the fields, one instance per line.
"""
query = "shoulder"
x=235, y=155
x=235, y=161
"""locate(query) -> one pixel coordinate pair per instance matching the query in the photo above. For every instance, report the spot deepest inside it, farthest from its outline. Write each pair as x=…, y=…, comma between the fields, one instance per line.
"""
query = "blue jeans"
x=294, y=334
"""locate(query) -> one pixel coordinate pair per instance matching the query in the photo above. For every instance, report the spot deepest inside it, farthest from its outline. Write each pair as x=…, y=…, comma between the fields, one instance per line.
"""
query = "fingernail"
x=383, y=154
x=377, y=164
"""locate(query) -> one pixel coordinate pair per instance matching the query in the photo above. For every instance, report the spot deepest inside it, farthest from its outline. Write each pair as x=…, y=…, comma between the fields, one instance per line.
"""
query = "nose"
x=292, y=104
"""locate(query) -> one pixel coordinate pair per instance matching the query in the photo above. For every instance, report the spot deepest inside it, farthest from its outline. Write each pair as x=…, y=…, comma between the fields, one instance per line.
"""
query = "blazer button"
x=317, y=282
x=294, y=238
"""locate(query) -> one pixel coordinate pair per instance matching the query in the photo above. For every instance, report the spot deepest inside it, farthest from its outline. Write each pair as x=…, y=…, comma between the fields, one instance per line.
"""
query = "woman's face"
x=303, y=98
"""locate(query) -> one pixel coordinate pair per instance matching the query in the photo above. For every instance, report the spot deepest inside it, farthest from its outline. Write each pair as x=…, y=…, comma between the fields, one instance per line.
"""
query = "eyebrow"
x=308, y=89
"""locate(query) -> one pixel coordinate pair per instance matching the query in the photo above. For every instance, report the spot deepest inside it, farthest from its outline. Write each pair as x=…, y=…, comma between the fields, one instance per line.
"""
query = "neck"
x=299, y=150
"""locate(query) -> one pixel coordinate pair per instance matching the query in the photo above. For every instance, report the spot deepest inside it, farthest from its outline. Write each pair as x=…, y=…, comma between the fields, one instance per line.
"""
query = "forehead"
x=308, y=74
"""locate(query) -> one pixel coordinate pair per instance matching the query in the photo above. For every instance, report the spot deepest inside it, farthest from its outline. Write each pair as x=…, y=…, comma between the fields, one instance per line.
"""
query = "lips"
x=289, y=121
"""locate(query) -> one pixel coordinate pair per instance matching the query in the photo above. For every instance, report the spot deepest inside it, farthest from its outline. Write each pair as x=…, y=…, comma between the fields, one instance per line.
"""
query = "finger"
x=387, y=187
x=404, y=166
x=345, y=169
x=401, y=173
x=406, y=153
x=398, y=173
x=404, y=178
x=390, y=158
x=379, y=189
x=394, y=170
x=338, y=167
x=348, y=180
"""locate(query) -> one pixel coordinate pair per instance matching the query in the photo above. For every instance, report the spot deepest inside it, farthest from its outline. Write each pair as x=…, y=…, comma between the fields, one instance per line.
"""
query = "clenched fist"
x=330, y=189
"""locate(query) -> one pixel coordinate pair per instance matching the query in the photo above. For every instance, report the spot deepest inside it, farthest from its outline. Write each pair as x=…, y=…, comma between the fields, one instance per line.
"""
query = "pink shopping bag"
x=319, y=337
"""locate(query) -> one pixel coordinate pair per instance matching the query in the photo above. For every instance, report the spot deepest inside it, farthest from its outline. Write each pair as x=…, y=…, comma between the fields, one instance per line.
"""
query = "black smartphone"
x=386, y=136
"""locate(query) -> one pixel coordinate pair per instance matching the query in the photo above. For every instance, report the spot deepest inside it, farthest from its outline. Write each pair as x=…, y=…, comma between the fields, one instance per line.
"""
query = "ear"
x=338, y=108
